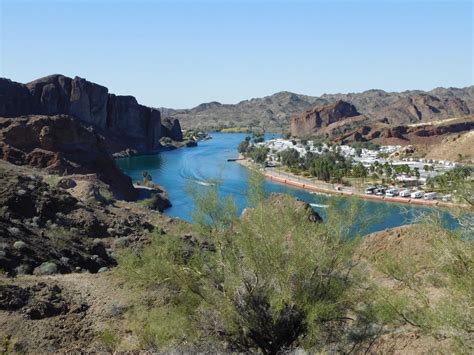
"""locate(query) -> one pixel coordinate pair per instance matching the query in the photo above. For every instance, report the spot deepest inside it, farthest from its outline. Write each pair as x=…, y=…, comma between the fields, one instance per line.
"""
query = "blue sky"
x=182, y=53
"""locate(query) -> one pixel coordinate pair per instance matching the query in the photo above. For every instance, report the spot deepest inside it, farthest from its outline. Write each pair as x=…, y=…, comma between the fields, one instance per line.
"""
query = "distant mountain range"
x=274, y=112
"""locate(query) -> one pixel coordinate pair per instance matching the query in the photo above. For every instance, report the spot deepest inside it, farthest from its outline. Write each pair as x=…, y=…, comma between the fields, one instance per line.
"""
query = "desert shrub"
x=108, y=340
x=165, y=141
x=434, y=287
x=270, y=281
x=106, y=195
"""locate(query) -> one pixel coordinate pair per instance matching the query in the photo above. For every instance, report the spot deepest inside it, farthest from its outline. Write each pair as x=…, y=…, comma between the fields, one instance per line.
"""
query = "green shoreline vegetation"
x=330, y=166
x=273, y=280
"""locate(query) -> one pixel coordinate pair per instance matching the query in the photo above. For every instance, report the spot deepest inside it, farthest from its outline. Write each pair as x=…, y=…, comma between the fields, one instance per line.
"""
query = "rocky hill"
x=274, y=112
x=124, y=122
x=341, y=121
x=61, y=145
x=311, y=121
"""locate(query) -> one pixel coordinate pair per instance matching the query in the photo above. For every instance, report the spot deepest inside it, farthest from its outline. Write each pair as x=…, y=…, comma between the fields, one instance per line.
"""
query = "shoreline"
x=291, y=181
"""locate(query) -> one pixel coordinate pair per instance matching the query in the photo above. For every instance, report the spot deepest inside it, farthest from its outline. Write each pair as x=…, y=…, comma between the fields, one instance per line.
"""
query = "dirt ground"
x=92, y=305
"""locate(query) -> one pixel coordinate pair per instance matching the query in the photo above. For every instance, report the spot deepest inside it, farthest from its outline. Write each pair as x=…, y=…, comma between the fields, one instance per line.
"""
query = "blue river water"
x=177, y=170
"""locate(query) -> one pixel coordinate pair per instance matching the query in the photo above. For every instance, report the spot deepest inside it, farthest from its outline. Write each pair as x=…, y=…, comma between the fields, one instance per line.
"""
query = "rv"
x=430, y=196
x=405, y=193
x=370, y=190
x=391, y=193
x=417, y=194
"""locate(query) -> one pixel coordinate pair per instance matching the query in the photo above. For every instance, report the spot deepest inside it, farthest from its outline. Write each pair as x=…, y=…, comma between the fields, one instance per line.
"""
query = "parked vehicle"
x=379, y=192
x=430, y=196
x=391, y=193
x=417, y=194
x=370, y=190
x=447, y=197
x=405, y=193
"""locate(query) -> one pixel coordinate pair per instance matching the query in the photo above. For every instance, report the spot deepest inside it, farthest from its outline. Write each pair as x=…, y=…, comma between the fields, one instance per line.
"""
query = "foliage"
x=271, y=281
x=289, y=157
x=108, y=339
x=236, y=130
x=106, y=194
x=258, y=153
x=364, y=145
x=258, y=138
x=243, y=146
x=165, y=141
x=359, y=171
x=444, y=269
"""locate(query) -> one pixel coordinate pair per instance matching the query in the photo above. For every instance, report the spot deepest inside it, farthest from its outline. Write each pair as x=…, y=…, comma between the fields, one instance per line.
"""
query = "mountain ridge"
x=274, y=111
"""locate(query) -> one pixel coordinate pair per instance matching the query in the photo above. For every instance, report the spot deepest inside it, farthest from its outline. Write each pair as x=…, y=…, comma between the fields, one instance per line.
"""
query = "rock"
x=309, y=122
x=66, y=183
x=117, y=308
x=60, y=144
x=191, y=143
x=47, y=268
x=13, y=297
x=23, y=269
x=278, y=202
x=58, y=94
x=125, y=123
x=46, y=302
x=14, y=99
x=141, y=124
x=171, y=128
x=121, y=242
x=19, y=245
x=103, y=269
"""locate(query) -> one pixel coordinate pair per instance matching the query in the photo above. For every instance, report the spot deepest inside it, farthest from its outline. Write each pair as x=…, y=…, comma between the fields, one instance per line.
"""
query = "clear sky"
x=182, y=53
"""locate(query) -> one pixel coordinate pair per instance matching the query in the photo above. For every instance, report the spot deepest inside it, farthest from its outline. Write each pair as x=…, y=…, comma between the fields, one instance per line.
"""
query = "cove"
x=177, y=170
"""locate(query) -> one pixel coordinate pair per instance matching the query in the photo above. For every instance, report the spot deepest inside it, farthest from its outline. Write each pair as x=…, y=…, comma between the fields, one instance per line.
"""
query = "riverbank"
x=323, y=187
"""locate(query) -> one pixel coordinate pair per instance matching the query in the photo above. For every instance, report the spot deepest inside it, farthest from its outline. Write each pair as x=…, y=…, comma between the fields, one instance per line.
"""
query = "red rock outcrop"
x=61, y=144
x=309, y=122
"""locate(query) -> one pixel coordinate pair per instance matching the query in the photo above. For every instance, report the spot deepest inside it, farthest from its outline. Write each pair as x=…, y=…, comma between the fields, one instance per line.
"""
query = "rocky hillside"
x=311, y=121
x=342, y=122
x=61, y=145
x=274, y=111
x=124, y=122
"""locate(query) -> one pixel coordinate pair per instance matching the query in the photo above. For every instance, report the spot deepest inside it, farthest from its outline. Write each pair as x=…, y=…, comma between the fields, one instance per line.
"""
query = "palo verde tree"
x=271, y=281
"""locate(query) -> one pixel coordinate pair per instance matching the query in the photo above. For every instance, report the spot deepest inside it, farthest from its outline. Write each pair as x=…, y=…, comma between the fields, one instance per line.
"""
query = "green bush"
x=270, y=281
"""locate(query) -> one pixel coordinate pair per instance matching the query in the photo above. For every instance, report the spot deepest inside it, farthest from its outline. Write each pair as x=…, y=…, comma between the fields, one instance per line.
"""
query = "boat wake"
x=318, y=205
x=203, y=183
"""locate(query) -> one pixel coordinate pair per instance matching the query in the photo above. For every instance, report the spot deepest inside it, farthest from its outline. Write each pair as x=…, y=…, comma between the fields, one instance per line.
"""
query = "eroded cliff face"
x=61, y=145
x=120, y=118
x=309, y=122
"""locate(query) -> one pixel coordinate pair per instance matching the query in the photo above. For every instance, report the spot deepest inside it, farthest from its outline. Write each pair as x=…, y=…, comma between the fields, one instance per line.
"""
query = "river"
x=177, y=170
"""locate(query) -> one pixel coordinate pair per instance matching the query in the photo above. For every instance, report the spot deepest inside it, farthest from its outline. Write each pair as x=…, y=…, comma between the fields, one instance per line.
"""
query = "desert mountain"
x=274, y=112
